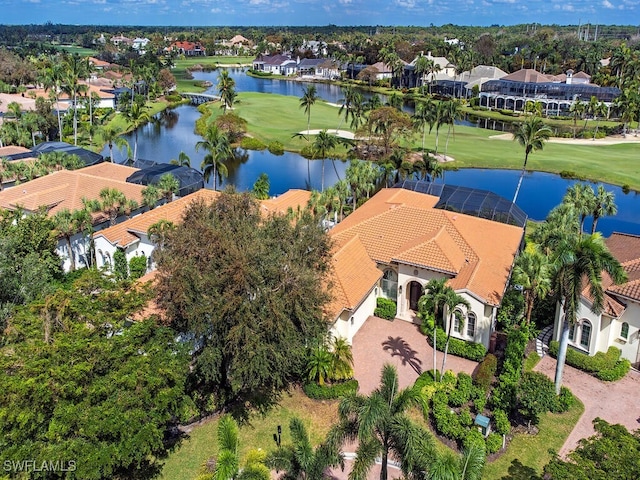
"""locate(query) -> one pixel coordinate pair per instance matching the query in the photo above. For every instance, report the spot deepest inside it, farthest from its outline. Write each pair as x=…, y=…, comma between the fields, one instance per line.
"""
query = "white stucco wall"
x=80, y=248
x=347, y=325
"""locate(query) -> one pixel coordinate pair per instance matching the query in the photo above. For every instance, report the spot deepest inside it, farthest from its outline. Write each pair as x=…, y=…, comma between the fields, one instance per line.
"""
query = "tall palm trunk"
x=71, y=257
x=524, y=169
x=446, y=346
x=562, y=354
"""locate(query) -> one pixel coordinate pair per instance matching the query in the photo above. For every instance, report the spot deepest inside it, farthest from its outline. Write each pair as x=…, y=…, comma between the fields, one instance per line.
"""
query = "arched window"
x=471, y=325
x=457, y=320
x=572, y=332
x=585, y=334
x=624, y=330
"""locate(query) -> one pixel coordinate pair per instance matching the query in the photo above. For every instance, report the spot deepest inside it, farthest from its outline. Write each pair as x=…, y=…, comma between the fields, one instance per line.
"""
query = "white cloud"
x=607, y=4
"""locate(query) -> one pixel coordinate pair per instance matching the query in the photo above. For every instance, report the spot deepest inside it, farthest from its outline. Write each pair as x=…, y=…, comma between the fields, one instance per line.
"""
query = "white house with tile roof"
x=398, y=241
x=619, y=323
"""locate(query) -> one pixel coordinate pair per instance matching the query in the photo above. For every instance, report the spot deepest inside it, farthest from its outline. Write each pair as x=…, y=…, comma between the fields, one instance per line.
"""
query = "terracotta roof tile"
x=294, y=199
x=66, y=189
x=12, y=150
x=401, y=225
x=354, y=275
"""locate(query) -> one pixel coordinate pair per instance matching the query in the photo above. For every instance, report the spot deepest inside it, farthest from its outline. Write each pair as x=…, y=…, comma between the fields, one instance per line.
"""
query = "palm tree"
x=319, y=365
x=452, y=112
x=583, y=199
x=579, y=261
x=604, y=204
x=342, y=359
x=159, y=231
x=423, y=65
x=532, y=271
x=424, y=114
x=300, y=461
x=137, y=116
x=346, y=104
x=228, y=460
x=66, y=228
x=183, y=160
x=577, y=110
x=309, y=97
x=113, y=136
x=169, y=186
x=323, y=146
x=261, y=187
x=216, y=143
x=74, y=68
x=381, y=426
x=111, y=202
x=532, y=135
x=51, y=79
x=150, y=196
x=451, y=301
x=429, y=307
x=7, y=171
x=466, y=466
x=226, y=89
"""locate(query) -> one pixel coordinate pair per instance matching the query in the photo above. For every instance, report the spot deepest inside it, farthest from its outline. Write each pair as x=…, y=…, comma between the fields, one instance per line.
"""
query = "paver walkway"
x=615, y=402
x=399, y=343
x=542, y=341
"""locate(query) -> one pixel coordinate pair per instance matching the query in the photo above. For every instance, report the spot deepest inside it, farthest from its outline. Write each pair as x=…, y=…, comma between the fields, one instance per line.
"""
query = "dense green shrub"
x=504, y=395
x=479, y=399
x=328, y=392
x=564, y=401
x=250, y=143
x=276, y=148
x=462, y=393
x=494, y=442
x=605, y=366
x=446, y=421
x=473, y=437
x=466, y=420
x=308, y=152
x=457, y=347
x=120, y=268
x=385, y=308
x=531, y=361
x=137, y=266
x=536, y=395
x=485, y=372
x=173, y=97
x=501, y=422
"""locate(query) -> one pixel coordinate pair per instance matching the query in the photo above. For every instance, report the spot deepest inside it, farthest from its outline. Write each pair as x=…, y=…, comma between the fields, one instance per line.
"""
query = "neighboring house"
x=140, y=44
x=131, y=235
x=189, y=49
x=276, y=64
x=66, y=189
x=316, y=47
x=121, y=41
x=319, y=67
x=619, y=323
x=400, y=239
x=383, y=70
x=555, y=93
x=479, y=75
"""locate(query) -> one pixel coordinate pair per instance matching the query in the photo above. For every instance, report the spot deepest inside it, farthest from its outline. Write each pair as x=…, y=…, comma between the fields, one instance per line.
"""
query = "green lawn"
x=527, y=455
x=185, y=84
x=84, y=52
x=318, y=416
x=276, y=117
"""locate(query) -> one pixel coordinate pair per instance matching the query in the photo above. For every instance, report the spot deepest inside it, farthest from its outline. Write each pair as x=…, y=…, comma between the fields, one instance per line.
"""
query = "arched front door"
x=415, y=292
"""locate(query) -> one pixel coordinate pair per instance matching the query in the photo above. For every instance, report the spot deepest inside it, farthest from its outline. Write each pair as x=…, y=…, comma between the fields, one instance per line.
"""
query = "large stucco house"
x=619, y=323
x=400, y=239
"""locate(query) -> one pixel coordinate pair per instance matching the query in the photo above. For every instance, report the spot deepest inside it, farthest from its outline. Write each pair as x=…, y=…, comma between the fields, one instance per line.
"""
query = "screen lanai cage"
x=470, y=201
x=189, y=178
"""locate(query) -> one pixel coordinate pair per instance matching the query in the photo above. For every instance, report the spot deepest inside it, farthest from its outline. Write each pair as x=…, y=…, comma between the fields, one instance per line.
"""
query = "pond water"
x=173, y=132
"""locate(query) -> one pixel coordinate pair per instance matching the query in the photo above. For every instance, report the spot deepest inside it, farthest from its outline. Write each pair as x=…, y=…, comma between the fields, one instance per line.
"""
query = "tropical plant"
x=452, y=466
x=261, y=187
x=113, y=136
x=451, y=301
x=168, y=186
x=583, y=199
x=430, y=306
x=226, y=89
x=137, y=116
x=532, y=272
x=219, y=150
x=300, y=461
x=110, y=201
x=380, y=424
x=308, y=99
x=341, y=359
x=578, y=260
x=150, y=196
x=532, y=135
x=604, y=204
x=159, y=231
x=319, y=364
x=67, y=223
x=183, y=160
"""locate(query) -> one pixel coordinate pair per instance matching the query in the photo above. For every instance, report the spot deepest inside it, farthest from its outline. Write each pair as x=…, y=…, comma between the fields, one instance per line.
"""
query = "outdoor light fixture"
x=277, y=437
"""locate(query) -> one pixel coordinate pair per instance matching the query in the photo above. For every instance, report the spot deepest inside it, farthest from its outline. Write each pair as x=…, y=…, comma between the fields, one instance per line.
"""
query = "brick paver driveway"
x=399, y=343
x=615, y=402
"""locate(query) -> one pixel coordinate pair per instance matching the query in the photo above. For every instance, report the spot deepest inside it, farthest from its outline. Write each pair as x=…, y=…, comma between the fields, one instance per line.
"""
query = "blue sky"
x=319, y=12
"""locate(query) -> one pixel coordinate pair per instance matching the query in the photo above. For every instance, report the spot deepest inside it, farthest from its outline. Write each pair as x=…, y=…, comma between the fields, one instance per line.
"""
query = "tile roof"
x=12, y=150
x=353, y=275
x=527, y=75
x=126, y=233
x=626, y=249
x=401, y=226
x=66, y=189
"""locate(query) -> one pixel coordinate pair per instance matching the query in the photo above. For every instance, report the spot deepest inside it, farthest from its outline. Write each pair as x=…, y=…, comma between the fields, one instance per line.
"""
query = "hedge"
x=276, y=148
x=385, y=308
x=250, y=143
x=605, y=366
x=330, y=392
x=457, y=347
x=486, y=371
